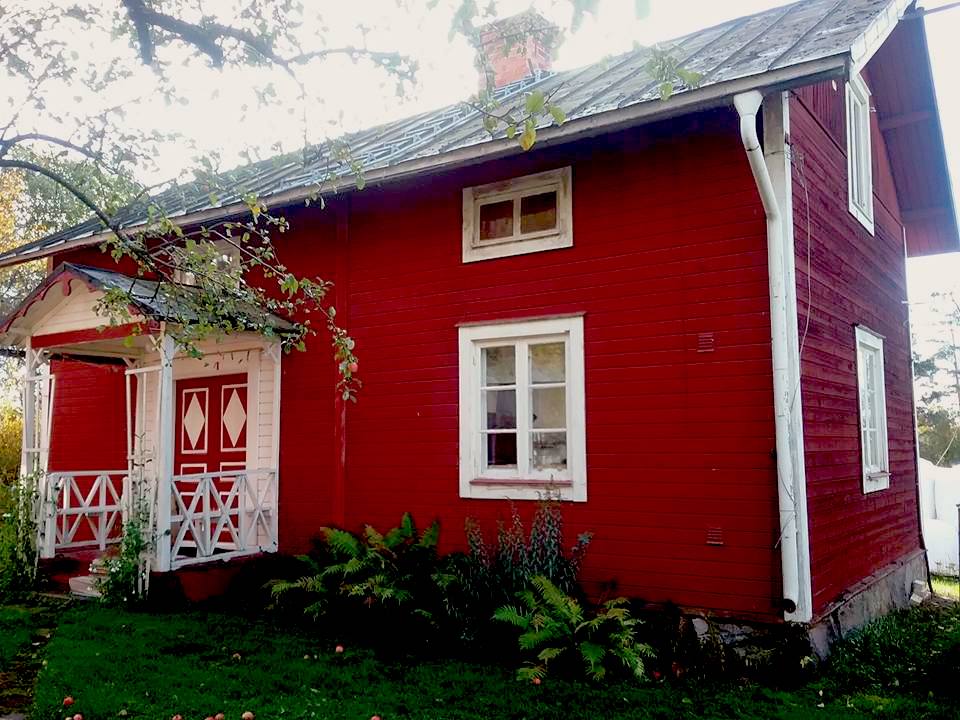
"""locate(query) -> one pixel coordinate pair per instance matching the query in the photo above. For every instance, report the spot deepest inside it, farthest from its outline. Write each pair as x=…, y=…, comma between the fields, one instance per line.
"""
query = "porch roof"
x=150, y=301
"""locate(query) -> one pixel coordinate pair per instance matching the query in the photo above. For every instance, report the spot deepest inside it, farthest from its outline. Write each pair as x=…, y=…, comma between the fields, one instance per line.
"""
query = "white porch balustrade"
x=82, y=509
x=221, y=515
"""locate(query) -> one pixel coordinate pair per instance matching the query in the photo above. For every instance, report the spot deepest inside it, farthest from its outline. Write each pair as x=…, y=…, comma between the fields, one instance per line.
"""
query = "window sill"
x=517, y=246
x=497, y=482
x=517, y=489
x=875, y=482
x=862, y=217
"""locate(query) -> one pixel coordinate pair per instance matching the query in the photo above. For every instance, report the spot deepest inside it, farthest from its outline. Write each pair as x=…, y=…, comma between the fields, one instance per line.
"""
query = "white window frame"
x=223, y=248
x=874, y=477
x=559, y=181
x=859, y=152
x=522, y=483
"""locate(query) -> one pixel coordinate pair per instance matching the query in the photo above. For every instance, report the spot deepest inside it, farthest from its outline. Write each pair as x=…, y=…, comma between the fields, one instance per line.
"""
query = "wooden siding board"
x=854, y=277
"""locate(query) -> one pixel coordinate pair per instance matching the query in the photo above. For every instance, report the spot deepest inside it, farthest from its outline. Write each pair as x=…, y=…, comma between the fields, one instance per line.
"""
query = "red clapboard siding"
x=88, y=429
x=669, y=243
x=854, y=278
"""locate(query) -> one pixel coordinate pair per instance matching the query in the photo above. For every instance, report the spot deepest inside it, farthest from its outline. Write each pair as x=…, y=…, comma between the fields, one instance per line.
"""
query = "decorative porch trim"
x=87, y=335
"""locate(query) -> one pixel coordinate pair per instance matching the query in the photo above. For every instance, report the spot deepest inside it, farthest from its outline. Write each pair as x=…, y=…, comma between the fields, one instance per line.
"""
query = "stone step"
x=84, y=586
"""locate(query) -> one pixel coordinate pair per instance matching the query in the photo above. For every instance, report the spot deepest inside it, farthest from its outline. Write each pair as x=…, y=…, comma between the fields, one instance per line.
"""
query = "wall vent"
x=706, y=343
x=714, y=536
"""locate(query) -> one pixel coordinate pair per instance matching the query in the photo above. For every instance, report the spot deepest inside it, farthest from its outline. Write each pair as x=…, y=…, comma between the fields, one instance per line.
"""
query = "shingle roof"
x=788, y=37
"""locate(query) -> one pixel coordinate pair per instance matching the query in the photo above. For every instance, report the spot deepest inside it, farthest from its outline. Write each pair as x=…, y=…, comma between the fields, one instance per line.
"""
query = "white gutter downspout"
x=794, y=550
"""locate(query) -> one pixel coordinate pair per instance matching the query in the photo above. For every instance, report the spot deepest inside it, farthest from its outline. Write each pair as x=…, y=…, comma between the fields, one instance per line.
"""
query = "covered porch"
x=193, y=457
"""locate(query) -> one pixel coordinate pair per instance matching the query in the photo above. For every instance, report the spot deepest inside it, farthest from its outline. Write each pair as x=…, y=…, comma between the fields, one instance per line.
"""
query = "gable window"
x=224, y=259
x=859, y=155
x=522, y=410
x=518, y=216
x=873, y=411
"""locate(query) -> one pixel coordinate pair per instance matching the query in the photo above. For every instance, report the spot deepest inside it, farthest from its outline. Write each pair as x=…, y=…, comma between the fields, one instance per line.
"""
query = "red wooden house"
x=687, y=315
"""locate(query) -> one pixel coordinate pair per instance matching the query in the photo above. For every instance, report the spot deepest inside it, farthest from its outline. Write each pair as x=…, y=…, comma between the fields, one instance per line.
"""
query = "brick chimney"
x=516, y=47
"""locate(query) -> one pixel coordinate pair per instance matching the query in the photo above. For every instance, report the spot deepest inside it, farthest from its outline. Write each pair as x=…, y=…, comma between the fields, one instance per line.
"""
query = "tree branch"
x=205, y=38
x=69, y=187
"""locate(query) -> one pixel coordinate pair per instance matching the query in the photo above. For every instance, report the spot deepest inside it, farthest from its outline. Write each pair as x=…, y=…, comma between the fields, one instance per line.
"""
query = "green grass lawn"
x=16, y=629
x=137, y=665
x=948, y=587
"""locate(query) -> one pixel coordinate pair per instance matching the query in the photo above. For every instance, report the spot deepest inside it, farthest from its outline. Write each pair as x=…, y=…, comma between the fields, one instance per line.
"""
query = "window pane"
x=502, y=450
x=549, y=408
x=549, y=451
x=500, y=365
x=496, y=220
x=501, y=409
x=547, y=363
x=538, y=212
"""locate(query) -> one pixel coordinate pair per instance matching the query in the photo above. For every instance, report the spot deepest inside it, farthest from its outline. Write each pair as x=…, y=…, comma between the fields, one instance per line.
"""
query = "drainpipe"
x=748, y=105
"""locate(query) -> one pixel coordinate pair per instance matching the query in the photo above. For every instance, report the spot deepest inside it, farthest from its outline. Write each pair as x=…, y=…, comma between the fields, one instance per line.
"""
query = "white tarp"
x=939, y=498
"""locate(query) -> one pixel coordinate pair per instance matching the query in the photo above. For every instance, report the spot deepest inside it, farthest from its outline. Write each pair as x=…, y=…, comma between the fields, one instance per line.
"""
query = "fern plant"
x=490, y=574
x=376, y=569
x=555, y=628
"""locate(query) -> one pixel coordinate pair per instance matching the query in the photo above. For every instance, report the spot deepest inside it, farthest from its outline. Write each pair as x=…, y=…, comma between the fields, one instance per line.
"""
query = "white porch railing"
x=82, y=509
x=221, y=515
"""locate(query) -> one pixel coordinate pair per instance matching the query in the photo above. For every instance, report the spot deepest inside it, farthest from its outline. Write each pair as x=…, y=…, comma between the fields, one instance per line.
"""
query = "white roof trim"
x=877, y=32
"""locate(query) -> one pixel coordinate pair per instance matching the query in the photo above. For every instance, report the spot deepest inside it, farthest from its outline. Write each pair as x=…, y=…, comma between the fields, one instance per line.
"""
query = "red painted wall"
x=854, y=278
x=669, y=245
x=88, y=427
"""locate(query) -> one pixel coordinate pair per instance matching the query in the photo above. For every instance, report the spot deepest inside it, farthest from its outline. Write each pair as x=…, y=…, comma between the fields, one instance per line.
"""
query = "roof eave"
x=709, y=97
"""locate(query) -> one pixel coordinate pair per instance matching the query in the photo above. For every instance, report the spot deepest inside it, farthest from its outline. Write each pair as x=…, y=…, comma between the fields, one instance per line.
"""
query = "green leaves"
x=554, y=627
x=529, y=135
x=535, y=102
x=375, y=568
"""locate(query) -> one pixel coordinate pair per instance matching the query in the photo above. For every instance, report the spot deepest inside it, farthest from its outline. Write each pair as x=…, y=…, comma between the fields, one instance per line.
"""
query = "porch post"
x=165, y=440
x=29, y=411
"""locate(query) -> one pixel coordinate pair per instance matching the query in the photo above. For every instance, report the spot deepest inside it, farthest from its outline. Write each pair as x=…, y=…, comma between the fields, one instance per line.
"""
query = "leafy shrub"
x=378, y=575
x=556, y=628
x=11, y=433
x=474, y=584
x=125, y=582
x=18, y=538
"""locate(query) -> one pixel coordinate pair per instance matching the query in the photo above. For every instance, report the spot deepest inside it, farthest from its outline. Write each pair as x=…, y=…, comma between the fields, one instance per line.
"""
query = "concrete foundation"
x=896, y=586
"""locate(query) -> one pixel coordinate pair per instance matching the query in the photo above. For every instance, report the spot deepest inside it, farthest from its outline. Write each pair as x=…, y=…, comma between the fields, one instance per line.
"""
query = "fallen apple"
x=68, y=701
x=338, y=649
x=247, y=716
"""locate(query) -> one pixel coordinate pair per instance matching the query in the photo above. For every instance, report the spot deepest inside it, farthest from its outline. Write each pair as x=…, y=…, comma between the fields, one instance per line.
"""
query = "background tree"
x=938, y=386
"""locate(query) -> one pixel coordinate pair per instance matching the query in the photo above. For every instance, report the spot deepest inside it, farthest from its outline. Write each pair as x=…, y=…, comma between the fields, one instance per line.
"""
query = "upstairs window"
x=873, y=411
x=224, y=260
x=522, y=410
x=859, y=154
x=522, y=215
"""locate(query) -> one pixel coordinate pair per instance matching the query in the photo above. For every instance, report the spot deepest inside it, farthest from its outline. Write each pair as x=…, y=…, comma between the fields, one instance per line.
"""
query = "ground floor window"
x=873, y=410
x=522, y=409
